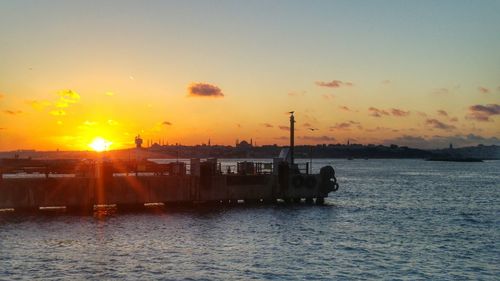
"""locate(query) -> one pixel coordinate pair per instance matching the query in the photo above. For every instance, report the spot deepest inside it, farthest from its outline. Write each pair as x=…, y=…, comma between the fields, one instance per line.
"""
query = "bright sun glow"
x=99, y=144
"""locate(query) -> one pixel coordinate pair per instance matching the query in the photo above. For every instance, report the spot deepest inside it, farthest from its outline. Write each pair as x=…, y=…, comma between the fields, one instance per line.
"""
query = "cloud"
x=284, y=128
x=375, y=112
x=38, y=105
x=442, y=113
x=112, y=122
x=12, y=112
x=328, y=96
x=204, y=90
x=483, y=112
x=267, y=125
x=282, y=138
x=443, y=141
x=318, y=138
x=334, y=84
x=166, y=123
x=399, y=112
x=89, y=123
x=483, y=90
x=59, y=112
x=441, y=91
x=345, y=108
x=67, y=97
x=345, y=126
x=386, y=82
x=307, y=125
x=439, y=125
x=421, y=114
x=296, y=94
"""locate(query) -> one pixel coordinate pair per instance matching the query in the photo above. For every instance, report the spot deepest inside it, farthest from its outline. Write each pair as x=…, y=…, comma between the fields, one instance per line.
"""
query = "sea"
x=390, y=220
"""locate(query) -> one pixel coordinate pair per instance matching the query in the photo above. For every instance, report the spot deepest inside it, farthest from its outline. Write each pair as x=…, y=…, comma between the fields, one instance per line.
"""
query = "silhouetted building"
x=138, y=141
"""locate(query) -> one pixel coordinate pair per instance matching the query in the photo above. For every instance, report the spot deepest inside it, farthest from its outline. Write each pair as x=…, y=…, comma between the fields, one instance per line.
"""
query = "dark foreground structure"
x=80, y=185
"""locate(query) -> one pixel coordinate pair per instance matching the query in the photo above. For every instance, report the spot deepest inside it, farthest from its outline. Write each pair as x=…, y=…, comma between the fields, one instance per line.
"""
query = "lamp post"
x=292, y=136
x=311, y=153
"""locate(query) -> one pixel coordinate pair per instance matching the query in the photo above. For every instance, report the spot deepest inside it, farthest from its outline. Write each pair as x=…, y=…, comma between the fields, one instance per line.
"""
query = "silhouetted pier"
x=80, y=185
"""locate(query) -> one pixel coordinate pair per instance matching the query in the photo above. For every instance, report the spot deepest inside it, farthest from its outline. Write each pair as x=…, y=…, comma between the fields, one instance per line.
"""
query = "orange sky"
x=185, y=73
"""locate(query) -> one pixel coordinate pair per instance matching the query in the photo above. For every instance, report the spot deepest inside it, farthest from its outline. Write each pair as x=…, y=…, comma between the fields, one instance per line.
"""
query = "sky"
x=417, y=73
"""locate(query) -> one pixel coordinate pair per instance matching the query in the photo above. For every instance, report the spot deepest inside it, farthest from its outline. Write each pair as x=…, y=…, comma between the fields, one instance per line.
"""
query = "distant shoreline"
x=355, y=151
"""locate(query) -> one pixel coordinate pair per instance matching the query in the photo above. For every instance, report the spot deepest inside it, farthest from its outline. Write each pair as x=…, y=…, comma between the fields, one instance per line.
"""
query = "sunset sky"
x=418, y=73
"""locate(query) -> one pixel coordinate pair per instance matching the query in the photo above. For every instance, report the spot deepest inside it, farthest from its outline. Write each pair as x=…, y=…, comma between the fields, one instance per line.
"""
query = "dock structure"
x=81, y=185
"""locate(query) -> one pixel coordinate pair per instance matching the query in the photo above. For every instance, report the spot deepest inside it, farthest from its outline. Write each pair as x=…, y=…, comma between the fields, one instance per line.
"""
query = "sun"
x=99, y=144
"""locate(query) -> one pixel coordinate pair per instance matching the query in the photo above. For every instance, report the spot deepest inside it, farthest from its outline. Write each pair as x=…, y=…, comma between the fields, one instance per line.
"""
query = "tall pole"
x=292, y=137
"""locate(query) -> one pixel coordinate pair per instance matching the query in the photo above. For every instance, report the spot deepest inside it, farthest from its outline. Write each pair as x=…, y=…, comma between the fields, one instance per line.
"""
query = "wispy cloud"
x=284, y=128
x=439, y=125
x=386, y=82
x=441, y=91
x=38, y=104
x=267, y=125
x=58, y=112
x=328, y=96
x=483, y=112
x=112, y=122
x=399, y=112
x=345, y=108
x=296, y=94
x=166, y=123
x=442, y=113
x=375, y=112
x=67, y=97
x=334, y=84
x=421, y=114
x=345, y=125
x=483, y=90
x=204, y=90
x=12, y=112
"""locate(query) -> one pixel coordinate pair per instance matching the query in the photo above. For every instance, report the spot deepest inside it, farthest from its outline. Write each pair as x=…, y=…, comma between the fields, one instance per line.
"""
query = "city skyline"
x=422, y=74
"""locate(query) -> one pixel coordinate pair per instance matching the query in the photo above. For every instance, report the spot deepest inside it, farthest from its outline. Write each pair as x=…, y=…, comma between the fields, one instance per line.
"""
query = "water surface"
x=390, y=219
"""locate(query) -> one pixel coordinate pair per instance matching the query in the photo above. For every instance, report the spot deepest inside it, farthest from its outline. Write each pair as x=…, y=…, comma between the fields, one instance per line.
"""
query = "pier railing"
x=93, y=168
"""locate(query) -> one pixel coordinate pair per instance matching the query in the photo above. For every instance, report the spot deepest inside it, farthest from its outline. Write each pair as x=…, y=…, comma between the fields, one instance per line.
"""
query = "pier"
x=28, y=185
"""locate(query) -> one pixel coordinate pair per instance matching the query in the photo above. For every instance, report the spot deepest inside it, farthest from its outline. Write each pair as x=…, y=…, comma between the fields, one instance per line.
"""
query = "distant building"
x=244, y=144
x=138, y=141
